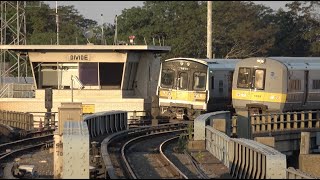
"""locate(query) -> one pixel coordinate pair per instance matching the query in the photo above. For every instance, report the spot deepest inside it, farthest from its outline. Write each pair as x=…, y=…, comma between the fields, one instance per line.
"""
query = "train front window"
x=244, y=78
x=167, y=78
x=199, y=81
x=259, y=79
x=183, y=81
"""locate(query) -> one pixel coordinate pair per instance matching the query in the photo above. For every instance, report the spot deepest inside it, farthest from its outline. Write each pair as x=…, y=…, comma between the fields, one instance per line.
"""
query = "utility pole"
x=209, y=30
x=57, y=22
x=116, y=33
x=102, y=37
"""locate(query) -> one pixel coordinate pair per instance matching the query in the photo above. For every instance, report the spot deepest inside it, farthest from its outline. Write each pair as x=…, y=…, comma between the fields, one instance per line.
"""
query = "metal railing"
x=106, y=122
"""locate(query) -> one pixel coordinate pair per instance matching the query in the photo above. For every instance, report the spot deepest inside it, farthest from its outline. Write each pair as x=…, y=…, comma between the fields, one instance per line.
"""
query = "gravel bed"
x=144, y=158
x=42, y=161
x=181, y=161
x=211, y=165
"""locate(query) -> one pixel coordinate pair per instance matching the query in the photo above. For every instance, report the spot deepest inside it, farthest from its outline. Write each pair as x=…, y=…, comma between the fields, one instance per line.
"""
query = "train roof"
x=298, y=63
x=222, y=64
x=296, y=59
x=216, y=63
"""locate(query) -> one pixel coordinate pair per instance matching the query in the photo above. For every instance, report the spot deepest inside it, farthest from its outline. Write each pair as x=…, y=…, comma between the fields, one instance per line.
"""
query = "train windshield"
x=167, y=78
x=199, y=81
x=183, y=81
x=244, y=78
x=259, y=79
x=251, y=78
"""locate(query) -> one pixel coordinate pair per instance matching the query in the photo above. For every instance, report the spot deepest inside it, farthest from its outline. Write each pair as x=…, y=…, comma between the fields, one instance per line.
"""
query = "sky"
x=109, y=9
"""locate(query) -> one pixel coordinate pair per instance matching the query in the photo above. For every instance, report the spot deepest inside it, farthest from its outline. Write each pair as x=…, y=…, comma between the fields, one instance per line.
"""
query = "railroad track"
x=185, y=161
x=12, y=148
x=8, y=151
x=115, y=147
x=111, y=147
x=148, y=160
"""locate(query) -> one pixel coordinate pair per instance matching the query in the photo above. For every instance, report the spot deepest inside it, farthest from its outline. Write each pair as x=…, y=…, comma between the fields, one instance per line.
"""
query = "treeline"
x=240, y=28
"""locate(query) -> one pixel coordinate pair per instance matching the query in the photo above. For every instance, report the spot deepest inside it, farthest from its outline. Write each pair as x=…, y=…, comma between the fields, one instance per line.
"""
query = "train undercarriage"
x=181, y=113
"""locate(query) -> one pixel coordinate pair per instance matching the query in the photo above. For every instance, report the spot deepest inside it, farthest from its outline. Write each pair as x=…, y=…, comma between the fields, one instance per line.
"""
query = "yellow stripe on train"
x=259, y=96
x=182, y=95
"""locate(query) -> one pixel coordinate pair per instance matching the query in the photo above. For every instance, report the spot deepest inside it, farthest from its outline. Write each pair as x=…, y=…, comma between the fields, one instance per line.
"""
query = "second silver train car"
x=276, y=84
x=187, y=86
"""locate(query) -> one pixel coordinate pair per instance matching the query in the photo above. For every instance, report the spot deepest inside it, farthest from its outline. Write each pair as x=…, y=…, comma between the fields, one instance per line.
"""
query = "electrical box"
x=69, y=112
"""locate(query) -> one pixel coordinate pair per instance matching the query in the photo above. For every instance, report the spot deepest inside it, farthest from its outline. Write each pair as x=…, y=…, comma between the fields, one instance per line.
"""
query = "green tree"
x=72, y=25
x=40, y=25
x=299, y=32
x=240, y=29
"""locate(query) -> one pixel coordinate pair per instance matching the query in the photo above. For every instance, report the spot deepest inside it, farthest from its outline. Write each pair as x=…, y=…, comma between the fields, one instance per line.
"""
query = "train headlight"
x=261, y=61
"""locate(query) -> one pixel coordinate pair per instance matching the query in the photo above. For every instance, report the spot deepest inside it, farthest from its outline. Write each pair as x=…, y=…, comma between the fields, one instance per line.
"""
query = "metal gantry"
x=13, y=32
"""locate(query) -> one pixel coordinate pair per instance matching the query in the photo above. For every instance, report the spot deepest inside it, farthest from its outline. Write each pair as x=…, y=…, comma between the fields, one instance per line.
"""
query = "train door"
x=306, y=87
x=182, y=85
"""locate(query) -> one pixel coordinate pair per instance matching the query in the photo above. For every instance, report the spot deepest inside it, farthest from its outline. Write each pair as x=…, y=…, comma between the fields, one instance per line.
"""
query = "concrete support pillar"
x=243, y=125
x=75, y=150
x=269, y=141
x=305, y=143
x=57, y=156
x=67, y=112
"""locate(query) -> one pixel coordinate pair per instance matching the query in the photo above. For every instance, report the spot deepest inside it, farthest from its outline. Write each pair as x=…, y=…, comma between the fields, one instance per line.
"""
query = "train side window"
x=244, y=78
x=316, y=84
x=212, y=82
x=167, y=77
x=294, y=85
x=259, y=79
x=220, y=86
x=199, y=81
x=183, y=81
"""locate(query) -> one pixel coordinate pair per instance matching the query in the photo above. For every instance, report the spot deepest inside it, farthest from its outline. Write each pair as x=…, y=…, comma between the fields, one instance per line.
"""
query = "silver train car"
x=276, y=84
x=188, y=87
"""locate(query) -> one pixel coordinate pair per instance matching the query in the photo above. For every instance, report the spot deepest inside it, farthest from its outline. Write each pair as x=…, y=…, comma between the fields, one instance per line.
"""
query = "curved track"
x=143, y=159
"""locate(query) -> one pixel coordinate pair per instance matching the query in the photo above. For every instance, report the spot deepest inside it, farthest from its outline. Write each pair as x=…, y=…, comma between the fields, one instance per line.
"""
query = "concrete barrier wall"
x=252, y=160
x=217, y=143
x=212, y=119
x=245, y=158
x=297, y=174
